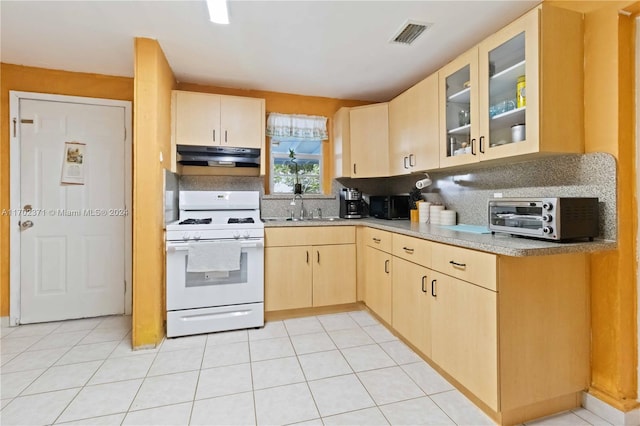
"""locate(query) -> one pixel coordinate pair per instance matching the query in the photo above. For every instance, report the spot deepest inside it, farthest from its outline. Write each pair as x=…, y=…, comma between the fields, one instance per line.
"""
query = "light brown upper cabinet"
x=341, y=143
x=413, y=129
x=369, y=139
x=218, y=120
x=482, y=118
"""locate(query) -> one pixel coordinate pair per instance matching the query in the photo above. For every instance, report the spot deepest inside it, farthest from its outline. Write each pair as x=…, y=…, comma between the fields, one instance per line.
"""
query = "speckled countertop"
x=502, y=244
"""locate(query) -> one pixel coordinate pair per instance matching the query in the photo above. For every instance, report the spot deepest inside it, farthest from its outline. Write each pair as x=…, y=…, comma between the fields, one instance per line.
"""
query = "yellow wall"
x=152, y=135
x=609, y=127
x=609, y=124
x=285, y=103
x=28, y=79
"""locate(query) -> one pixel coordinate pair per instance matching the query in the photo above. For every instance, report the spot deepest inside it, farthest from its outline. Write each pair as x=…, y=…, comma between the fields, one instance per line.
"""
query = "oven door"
x=188, y=290
x=517, y=217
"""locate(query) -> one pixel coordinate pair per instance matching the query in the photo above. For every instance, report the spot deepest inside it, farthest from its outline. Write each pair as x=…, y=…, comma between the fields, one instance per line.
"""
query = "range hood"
x=218, y=156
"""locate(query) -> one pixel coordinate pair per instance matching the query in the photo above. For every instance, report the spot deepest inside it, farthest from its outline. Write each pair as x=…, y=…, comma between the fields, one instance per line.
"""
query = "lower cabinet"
x=303, y=276
x=378, y=287
x=411, y=311
x=288, y=278
x=514, y=338
x=465, y=334
x=334, y=274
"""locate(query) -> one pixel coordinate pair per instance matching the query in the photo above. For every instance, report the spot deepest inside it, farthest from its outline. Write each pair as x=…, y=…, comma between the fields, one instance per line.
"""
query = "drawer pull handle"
x=318, y=252
x=433, y=288
x=386, y=266
x=307, y=256
x=376, y=240
x=461, y=265
x=423, y=279
x=407, y=249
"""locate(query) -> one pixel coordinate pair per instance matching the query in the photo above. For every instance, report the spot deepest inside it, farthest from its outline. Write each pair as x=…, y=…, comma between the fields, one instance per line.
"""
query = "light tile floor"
x=339, y=369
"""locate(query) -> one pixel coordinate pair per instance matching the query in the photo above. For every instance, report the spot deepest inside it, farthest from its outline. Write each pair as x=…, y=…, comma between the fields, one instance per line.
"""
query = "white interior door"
x=72, y=236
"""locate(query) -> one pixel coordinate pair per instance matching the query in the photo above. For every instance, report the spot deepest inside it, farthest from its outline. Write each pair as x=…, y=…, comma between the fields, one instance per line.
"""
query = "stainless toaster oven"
x=556, y=219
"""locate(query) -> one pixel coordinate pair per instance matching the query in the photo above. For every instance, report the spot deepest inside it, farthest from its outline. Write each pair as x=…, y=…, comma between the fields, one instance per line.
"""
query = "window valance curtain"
x=297, y=127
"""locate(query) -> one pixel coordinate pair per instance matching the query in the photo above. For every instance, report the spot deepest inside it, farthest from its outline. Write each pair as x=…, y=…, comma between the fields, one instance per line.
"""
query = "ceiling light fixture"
x=218, y=13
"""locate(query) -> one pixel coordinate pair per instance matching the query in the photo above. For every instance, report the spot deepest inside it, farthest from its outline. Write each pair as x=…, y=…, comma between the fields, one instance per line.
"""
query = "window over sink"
x=296, y=153
x=305, y=164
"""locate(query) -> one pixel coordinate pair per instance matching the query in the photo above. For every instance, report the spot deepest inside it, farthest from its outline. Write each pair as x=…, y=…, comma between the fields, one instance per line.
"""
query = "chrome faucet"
x=293, y=203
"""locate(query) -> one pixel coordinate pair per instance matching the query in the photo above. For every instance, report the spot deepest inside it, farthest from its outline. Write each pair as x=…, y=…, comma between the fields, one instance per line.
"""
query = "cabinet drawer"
x=378, y=239
x=469, y=265
x=412, y=249
x=309, y=235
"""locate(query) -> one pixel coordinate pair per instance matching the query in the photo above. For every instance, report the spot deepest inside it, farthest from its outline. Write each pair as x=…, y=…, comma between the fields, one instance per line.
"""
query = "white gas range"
x=215, y=263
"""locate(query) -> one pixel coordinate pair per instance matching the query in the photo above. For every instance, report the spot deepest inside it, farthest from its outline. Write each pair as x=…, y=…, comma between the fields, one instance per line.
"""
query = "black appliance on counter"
x=389, y=206
x=351, y=206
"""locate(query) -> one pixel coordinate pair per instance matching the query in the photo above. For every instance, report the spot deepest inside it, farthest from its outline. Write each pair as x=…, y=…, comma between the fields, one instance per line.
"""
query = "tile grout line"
x=54, y=365
x=306, y=381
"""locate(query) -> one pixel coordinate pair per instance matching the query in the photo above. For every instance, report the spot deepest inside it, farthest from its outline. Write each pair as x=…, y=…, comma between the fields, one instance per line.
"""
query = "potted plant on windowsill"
x=297, y=187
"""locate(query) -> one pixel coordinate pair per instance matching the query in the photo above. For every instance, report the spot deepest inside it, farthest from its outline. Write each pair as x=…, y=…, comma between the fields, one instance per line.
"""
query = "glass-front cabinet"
x=493, y=97
x=508, y=71
x=459, y=125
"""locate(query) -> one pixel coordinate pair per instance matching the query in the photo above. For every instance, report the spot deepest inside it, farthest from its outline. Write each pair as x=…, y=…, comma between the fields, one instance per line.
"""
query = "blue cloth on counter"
x=474, y=229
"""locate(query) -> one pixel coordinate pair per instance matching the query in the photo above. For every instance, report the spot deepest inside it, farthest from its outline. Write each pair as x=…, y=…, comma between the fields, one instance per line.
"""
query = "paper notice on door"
x=73, y=163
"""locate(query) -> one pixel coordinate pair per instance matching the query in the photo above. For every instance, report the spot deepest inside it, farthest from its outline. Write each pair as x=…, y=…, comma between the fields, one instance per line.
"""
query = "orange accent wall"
x=153, y=83
x=286, y=103
x=609, y=127
x=29, y=79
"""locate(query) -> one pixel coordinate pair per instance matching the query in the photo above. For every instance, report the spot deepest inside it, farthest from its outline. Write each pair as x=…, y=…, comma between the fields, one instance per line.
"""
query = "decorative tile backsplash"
x=465, y=190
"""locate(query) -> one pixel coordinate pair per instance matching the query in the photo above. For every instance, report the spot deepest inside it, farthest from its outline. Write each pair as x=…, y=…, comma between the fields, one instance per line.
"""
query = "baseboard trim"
x=609, y=413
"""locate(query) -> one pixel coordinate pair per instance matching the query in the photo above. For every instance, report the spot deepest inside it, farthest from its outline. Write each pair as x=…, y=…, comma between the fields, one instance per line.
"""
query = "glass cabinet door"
x=507, y=93
x=459, y=123
x=508, y=90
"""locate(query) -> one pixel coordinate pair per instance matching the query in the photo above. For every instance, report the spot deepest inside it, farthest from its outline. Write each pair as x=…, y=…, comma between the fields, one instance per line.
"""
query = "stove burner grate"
x=205, y=221
x=240, y=220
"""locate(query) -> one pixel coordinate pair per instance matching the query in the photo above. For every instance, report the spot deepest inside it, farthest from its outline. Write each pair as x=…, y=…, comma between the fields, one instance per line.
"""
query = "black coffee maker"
x=351, y=205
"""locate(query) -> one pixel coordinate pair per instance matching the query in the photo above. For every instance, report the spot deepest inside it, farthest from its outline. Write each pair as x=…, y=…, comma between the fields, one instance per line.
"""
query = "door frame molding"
x=14, y=191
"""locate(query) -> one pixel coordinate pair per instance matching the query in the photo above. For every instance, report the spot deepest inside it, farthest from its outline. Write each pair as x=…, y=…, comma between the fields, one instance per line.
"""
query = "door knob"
x=26, y=224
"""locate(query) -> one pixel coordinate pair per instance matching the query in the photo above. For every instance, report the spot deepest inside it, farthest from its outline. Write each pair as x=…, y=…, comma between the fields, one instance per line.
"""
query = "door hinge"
x=125, y=134
x=125, y=286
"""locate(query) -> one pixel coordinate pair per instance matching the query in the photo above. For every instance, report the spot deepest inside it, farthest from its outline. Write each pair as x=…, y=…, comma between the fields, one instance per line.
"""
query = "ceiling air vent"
x=410, y=31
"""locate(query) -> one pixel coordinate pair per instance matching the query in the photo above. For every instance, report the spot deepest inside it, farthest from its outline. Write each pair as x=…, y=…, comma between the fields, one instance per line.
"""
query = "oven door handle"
x=173, y=247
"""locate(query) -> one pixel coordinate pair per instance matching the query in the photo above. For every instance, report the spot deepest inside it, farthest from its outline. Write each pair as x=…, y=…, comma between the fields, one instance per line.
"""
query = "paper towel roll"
x=423, y=183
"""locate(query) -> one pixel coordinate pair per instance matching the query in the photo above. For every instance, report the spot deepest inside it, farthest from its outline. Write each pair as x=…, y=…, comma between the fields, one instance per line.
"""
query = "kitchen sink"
x=295, y=219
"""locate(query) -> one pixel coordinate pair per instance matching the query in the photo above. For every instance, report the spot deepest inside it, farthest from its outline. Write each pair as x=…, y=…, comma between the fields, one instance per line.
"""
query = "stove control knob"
x=547, y=206
x=185, y=236
x=546, y=218
x=236, y=235
x=196, y=237
x=246, y=236
x=547, y=230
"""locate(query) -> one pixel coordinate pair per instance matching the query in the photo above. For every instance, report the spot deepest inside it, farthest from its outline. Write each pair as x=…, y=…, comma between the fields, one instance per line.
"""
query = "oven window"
x=202, y=279
x=517, y=217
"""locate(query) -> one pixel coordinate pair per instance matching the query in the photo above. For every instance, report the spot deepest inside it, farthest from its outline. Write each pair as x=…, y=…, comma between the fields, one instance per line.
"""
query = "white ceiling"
x=337, y=49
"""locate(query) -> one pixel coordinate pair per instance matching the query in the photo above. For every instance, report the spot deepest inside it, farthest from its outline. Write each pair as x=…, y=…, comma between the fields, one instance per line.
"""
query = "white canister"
x=448, y=217
x=518, y=133
x=423, y=212
x=434, y=214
